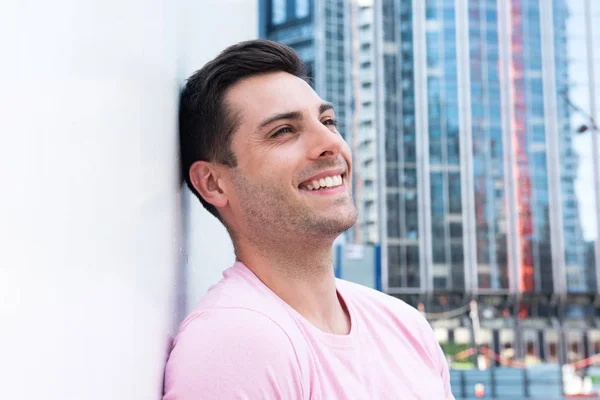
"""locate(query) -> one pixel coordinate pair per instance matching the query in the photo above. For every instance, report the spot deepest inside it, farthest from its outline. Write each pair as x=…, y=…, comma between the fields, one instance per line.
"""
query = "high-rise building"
x=478, y=114
x=317, y=30
x=577, y=85
x=366, y=119
x=504, y=97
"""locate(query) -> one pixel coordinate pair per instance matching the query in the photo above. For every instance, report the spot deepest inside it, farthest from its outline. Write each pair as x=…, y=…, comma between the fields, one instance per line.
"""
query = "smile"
x=324, y=183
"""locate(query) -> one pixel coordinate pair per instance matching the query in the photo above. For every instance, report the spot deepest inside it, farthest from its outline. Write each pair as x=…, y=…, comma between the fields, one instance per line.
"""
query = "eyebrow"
x=294, y=115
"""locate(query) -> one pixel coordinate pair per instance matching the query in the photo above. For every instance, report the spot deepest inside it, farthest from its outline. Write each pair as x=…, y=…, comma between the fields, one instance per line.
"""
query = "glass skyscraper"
x=577, y=70
x=488, y=148
x=424, y=151
x=489, y=186
x=401, y=234
x=318, y=31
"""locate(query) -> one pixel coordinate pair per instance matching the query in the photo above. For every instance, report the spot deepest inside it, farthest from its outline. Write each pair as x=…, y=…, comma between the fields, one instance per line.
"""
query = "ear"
x=205, y=176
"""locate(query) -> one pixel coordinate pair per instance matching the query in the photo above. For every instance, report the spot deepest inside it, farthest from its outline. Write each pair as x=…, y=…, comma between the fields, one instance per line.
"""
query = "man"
x=261, y=151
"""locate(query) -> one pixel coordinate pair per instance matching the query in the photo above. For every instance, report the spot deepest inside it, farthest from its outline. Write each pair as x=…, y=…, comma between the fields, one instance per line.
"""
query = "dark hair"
x=206, y=123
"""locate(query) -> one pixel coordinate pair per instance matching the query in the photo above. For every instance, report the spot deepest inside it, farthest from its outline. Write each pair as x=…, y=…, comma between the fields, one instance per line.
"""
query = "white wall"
x=208, y=247
x=89, y=202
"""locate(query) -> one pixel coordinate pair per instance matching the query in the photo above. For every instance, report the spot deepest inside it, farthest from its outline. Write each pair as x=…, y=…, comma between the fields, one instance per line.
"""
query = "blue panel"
x=338, y=262
x=378, y=267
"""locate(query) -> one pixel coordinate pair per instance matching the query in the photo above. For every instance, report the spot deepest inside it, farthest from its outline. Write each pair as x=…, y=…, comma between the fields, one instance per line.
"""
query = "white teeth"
x=330, y=181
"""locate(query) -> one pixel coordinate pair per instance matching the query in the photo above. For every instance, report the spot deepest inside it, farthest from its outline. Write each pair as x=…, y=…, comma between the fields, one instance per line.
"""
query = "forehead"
x=259, y=96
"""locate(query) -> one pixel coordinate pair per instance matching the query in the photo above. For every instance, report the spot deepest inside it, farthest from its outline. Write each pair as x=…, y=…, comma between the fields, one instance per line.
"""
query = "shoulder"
x=229, y=328
x=219, y=352
x=364, y=297
x=390, y=312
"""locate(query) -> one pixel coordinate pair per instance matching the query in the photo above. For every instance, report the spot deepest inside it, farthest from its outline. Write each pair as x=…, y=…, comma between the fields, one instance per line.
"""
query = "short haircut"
x=206, y=122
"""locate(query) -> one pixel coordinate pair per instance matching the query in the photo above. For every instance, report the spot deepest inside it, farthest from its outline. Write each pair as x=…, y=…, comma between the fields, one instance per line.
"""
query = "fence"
x=543, y=382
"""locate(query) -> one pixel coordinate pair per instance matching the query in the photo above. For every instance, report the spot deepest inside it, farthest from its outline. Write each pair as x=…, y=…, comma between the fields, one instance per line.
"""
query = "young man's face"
x=294, y=168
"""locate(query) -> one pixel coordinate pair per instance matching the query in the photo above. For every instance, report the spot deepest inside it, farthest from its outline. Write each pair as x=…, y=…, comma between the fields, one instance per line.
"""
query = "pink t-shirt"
x=244, y=342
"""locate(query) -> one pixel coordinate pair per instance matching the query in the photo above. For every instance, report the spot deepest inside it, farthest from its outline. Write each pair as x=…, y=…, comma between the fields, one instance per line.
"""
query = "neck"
x=301, y=274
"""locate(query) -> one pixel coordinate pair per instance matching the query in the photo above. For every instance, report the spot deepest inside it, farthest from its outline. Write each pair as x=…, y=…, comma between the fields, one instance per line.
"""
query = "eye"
x=282, y=131
x=330, y=122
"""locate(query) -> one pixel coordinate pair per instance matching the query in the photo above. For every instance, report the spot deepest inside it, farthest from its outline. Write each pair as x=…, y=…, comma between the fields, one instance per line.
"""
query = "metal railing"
x=543, y=382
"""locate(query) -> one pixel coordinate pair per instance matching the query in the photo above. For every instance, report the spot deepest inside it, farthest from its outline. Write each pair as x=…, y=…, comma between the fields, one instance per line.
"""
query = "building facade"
x=501, y=97
x=317, y=30
x=483, y=104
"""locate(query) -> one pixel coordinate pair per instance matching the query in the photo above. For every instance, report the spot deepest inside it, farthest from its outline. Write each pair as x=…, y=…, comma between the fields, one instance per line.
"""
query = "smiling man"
x=262, y=152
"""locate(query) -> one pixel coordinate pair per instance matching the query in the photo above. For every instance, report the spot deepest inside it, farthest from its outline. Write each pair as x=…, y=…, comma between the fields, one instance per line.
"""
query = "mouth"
x=328, y=184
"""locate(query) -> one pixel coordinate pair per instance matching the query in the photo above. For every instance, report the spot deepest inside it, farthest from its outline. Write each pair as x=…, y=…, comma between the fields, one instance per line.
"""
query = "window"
x=432, y=49
x=279, y=12
x=456, y=256
x=410, y=153
x=431, y=11
x=392, y=176
x=393, y=223
x=453, y=149
x=456, y=230
x=439, y=282
x=302, y=8
x=410, y=178
x=449, y=14
x=437, y=195
x=537, y=105
x=412, y=266
x=435, y=151
x=454, y=193
x=433, y=86
x=439, y=251
x=411, y=218
x=394, y=266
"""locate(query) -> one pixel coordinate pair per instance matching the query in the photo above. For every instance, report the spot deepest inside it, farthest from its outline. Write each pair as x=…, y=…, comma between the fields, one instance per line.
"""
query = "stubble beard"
x=270, y=214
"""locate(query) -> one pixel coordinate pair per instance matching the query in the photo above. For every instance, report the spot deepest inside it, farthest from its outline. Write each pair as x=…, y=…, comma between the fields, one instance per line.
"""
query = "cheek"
x=345, y=147
x=277, y=163
x=269, y=172
x=346, y=152
x=280, y=163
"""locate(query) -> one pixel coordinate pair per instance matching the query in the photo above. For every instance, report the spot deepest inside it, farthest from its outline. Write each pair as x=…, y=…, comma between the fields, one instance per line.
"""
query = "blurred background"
x=477, y=178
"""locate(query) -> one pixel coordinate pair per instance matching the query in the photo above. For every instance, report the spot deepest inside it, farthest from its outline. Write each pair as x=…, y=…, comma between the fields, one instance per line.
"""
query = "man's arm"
x=444, y=372
x=436, y=353
x=232, y=354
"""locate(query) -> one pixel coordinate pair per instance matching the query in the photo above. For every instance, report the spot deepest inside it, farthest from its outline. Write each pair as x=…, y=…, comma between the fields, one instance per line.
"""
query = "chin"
x=344, y=221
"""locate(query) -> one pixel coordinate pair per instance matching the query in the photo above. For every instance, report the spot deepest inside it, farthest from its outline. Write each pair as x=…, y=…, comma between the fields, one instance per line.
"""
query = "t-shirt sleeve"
x=232, y=354
x=437, y=355
x=444, y=372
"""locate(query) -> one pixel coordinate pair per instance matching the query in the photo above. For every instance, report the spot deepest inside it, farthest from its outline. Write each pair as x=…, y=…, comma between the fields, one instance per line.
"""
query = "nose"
x=324, y=142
